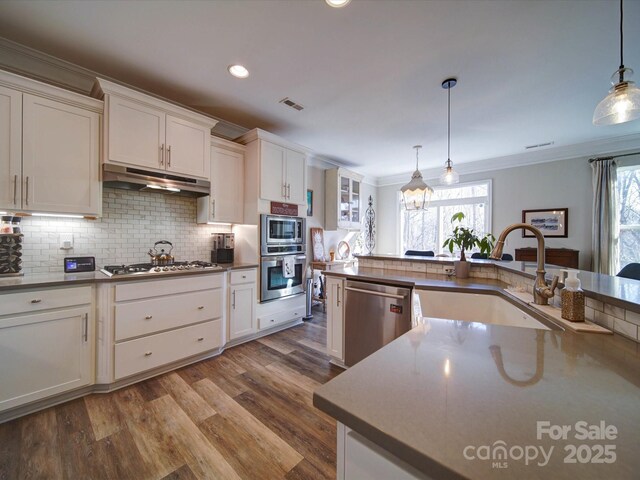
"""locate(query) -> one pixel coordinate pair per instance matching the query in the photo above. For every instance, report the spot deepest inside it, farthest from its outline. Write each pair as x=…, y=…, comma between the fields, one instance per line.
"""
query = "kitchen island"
x=454, y=399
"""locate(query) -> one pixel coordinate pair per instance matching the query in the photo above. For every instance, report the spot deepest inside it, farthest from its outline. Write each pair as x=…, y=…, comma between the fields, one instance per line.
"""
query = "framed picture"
x=309, y=203
x=551, y=222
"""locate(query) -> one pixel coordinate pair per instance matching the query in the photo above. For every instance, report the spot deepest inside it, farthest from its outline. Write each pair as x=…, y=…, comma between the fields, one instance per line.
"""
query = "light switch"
x=66, y=241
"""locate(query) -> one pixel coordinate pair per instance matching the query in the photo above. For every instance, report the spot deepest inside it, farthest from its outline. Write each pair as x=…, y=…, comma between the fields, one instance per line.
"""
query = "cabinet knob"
x=146, y=354
x=244, y=276
x=148, y=317
x=201, y=307
x=36, y=300
x=200, y=339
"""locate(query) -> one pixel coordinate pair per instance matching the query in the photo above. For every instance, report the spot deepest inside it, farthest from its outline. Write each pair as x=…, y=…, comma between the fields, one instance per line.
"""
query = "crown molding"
x=594, y=148
x=31, y=63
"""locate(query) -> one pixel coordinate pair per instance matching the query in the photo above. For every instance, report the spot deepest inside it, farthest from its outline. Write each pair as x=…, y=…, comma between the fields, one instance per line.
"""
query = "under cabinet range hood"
x=130, y=178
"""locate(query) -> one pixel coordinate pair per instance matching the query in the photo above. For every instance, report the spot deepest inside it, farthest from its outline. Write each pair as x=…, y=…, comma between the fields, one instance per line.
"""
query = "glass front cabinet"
x=342, y=199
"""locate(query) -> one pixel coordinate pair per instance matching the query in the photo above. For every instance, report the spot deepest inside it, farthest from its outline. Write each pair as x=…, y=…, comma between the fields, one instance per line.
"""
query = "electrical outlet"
x=66, y=241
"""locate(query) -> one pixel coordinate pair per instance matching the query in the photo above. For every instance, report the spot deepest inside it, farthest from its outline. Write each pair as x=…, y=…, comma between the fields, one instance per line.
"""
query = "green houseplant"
x=465, y=239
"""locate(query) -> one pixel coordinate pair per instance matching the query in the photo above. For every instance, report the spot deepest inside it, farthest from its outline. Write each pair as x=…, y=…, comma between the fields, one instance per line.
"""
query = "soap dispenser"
x=573, y=298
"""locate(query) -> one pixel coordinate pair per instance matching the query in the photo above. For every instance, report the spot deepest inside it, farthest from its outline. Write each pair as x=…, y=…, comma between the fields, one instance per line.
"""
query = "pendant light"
x=416, y=194
x=449, y=176
x=623, y=102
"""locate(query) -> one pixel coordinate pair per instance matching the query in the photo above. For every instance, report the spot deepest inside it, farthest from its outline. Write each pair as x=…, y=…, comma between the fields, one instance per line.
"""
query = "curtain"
x=605, y=218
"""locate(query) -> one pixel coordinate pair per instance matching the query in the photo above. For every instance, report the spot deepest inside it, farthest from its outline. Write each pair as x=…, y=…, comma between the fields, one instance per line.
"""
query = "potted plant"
x=465, y=239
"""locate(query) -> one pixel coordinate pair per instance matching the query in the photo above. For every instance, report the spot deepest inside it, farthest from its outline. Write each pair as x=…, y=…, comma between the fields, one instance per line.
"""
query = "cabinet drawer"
x=25, y=302
x=157, y=288
x=237, y=277
x=156, y=350
x=274, y=319
x=143, y=317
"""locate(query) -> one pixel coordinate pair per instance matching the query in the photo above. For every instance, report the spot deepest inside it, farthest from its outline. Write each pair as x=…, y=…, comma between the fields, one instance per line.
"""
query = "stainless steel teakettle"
x=162, y=258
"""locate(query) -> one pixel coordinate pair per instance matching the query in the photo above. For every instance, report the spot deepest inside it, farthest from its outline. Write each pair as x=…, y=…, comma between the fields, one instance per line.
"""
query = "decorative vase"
x=462, y=269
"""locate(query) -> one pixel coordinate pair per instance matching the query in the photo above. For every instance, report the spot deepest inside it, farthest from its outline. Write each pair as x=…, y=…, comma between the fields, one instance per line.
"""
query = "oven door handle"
x=378, y=294
x=281, y=259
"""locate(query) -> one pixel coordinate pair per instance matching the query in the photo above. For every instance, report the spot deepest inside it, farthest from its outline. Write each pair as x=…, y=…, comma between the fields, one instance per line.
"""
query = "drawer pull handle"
x=201, y=307
x=147, y=354
x=244, y=276
x=200, y=339
x=36, y=300
x=148, y=317
x=272, y=320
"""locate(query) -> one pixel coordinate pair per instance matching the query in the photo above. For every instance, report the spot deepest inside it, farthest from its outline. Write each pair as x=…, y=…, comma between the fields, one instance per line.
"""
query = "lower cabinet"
x=156, y=350
x=335, y=317
x=360, y=458
x=242, y=303
x=152, y=323
x=45, y=352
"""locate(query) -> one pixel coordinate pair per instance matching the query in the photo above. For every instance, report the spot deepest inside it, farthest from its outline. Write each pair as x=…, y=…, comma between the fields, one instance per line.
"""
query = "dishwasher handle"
x=378, y=294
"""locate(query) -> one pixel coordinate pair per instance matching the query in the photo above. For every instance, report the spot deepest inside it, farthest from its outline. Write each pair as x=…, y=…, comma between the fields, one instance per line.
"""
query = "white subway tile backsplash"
x=131, y=223
x=632, y=317
x=627, y=329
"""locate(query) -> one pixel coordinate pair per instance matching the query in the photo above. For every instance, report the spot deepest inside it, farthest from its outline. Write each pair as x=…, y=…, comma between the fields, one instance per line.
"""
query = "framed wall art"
x=552, y=222
x=309, y=203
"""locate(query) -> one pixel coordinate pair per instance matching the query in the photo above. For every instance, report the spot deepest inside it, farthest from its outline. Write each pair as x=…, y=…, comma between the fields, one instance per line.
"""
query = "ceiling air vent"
x=539, y=145
x=290, y=103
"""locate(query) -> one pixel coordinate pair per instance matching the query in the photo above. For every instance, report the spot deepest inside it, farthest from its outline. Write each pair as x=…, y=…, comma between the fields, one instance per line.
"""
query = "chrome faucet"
x=541, y=293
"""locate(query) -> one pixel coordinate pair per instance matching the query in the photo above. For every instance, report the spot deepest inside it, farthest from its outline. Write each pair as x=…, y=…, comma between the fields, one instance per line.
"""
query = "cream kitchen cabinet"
x=49, y=149
x=335, y=318
x=149, y=324
x=342, y=199
x=146, y=132
x=46, y=344
x=242, y=303
x=275, y=171
x=225, y=204
x=282, y=175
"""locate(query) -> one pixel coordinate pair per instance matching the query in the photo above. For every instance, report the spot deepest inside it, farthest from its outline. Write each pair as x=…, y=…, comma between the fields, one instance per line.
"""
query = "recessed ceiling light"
x=337, y=3
x=238, y=71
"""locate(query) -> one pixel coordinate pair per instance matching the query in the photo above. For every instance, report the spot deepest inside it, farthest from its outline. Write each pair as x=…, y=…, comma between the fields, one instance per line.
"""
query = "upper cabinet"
x=225, y=204
x=146, y=132
x=49, y=149
x=275, y=170
x=342, y=199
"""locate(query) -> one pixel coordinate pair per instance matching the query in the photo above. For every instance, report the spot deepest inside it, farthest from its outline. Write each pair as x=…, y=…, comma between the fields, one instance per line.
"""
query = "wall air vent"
x=538, y=145
x=290, y=103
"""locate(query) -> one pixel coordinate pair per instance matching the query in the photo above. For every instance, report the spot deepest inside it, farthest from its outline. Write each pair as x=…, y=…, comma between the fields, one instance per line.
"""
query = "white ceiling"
x=369, y=74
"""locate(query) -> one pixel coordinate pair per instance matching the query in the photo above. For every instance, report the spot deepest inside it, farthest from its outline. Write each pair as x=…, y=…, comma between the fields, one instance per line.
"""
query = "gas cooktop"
x=146, y=268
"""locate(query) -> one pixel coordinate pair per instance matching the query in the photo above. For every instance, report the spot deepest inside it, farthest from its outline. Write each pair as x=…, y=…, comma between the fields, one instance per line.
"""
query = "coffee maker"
x=223, y=246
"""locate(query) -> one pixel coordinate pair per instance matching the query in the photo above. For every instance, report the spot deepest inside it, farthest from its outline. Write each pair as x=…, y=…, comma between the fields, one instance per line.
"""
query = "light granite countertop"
x=623, y=292
x=44, y=280
x=448, y=385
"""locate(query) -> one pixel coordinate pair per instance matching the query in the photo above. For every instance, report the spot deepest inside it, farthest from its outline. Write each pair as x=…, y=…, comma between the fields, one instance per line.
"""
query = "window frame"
x=620, y=227
x=445, y=203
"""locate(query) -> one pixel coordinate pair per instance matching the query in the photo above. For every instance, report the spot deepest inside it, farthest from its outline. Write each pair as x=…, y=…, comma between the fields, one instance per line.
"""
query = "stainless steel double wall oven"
x=282, y=256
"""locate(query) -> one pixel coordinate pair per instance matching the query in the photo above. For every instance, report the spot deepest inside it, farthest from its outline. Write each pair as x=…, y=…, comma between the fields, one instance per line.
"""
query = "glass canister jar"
x=15, y=224
x=5, y=224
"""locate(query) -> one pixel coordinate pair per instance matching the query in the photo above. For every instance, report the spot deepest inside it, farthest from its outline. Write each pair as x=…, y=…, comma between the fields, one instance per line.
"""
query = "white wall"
x=560, y=184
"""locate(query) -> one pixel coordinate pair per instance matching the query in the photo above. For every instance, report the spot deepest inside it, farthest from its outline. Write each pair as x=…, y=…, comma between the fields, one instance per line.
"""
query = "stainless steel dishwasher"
x=374, y=316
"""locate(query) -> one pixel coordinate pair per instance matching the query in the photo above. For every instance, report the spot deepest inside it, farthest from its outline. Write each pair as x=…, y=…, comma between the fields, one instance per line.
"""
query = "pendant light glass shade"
x=449, y=176
x=416, y=194
x=623, y=102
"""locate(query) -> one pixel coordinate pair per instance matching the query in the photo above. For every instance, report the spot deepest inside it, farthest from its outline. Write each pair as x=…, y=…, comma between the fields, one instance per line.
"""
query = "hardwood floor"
x=244, y=414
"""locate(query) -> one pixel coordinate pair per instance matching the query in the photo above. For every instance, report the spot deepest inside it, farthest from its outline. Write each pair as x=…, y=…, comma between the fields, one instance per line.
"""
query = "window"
x=629, y=215
x=427, y=229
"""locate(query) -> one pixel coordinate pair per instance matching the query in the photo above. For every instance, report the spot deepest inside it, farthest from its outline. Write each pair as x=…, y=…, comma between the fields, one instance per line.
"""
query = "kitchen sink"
x=474, y=307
